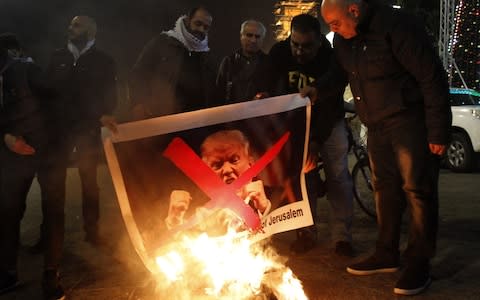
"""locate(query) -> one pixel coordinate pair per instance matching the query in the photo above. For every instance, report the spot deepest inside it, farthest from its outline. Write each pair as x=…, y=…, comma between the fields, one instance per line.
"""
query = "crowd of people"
x=399, y=89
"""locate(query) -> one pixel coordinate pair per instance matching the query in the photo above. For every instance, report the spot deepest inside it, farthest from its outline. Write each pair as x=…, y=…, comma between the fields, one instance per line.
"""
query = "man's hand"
x=310, y=92
x=109, y=122
x=311, y=163
x=261, y=95
x=179, y=203
x=312, y=157
x=255, y=192
x=437, y=149
x=18, y=145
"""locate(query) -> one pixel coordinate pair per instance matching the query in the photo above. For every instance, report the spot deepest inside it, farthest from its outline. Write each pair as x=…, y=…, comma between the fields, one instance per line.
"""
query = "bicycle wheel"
x=362, y=187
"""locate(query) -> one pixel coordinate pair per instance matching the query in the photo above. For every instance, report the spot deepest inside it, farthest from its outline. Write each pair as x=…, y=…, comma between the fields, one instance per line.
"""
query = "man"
x=15, y=51
x=234, y=79
x=173, y=73
x=401, y=94
x=227, y=153
x=84, y=82
x=294, y=64
x=22, y=150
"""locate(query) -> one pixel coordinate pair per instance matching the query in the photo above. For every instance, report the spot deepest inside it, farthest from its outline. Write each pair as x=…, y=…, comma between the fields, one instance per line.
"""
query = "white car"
x=465, y=141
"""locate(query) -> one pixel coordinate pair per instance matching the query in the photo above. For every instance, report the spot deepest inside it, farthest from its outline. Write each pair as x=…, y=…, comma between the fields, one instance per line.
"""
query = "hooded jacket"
x=282, y=74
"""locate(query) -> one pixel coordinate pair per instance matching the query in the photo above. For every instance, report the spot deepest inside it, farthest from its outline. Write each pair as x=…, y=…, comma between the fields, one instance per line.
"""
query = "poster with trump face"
x=235, y=167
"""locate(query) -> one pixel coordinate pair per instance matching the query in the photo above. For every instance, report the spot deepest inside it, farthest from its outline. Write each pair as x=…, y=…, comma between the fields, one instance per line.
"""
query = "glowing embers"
x=230, y=266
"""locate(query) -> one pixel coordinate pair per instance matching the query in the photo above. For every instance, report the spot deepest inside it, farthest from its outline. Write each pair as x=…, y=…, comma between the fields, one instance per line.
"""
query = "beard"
x=198, y=34
x=78, y=38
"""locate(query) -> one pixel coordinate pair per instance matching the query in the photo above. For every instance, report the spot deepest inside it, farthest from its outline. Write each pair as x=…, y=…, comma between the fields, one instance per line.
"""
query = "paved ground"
x=114, y=271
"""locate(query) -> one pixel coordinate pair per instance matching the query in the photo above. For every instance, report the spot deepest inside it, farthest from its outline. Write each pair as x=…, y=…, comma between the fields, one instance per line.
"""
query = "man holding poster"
x=293, y=64
x=168, y=169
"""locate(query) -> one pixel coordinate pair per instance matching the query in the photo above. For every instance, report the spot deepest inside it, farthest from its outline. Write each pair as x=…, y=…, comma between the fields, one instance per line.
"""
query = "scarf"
x=77, y=53
x=190, y=42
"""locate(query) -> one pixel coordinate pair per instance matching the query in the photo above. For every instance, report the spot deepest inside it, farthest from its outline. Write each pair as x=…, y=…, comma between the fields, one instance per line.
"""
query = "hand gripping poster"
x=235, y=166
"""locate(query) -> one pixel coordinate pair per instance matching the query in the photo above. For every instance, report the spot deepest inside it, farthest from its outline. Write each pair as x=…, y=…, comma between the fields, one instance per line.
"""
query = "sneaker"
x=373, y=265
x=306, y=240
x=8, y=282
x=414, y=280
x=344, y=248
x=52, y=289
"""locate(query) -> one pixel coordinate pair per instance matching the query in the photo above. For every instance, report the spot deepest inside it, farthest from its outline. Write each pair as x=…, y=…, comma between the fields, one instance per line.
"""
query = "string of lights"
x=465, y=45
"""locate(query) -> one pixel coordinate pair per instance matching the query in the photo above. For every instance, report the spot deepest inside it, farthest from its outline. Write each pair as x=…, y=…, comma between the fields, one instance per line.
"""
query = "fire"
x=230, y=266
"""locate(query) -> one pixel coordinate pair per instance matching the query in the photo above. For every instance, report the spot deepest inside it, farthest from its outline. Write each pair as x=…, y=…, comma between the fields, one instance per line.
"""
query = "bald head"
x=340, y=3
x=342, y=16
x=82, y=29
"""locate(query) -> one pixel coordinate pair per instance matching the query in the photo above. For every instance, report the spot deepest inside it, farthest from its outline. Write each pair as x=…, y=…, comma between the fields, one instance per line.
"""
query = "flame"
x=230, y=266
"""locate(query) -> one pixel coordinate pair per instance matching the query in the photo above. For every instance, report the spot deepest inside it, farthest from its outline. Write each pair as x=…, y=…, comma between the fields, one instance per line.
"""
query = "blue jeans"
x=334, y=153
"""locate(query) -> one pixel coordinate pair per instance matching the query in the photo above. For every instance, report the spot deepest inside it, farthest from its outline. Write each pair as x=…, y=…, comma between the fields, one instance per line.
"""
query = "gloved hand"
x=18, y=145
x=109, y=122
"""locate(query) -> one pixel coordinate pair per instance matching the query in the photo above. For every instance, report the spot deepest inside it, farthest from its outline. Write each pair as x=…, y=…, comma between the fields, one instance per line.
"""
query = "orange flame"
x=231, y=266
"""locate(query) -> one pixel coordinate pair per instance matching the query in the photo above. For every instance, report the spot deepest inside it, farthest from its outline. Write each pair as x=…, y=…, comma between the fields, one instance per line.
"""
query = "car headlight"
x=476, y=113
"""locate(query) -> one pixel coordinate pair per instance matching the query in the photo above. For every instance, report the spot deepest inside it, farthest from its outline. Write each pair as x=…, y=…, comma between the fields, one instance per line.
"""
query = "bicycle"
x=361, y=172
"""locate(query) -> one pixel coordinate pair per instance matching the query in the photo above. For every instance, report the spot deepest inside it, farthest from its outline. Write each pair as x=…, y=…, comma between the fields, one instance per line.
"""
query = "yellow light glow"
x=225, y=267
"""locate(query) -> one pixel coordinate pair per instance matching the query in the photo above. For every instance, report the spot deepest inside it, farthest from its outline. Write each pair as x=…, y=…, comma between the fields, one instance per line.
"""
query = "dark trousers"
x=52, y=180
x=405, y=174
x=16, y=176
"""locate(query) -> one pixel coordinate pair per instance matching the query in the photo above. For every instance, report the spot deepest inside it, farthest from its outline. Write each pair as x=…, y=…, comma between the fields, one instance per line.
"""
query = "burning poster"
x=234, y=167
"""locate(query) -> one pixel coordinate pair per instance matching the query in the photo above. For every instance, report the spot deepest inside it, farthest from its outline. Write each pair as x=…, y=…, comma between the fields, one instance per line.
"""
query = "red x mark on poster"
x=221, y=194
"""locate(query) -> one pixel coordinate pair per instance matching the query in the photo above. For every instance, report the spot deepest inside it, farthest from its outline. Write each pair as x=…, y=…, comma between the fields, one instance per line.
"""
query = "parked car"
x=465, y=141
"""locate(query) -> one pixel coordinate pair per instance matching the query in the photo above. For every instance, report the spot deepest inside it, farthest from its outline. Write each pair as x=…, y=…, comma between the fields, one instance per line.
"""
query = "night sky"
x=124, y=26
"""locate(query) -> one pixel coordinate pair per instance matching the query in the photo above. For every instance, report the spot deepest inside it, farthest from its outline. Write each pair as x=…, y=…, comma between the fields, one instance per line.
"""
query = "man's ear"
x=354, y=10
x=251, y=160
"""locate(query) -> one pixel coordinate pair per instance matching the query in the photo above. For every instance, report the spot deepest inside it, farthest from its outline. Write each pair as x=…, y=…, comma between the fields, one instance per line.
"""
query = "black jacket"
x=235, y=77
x=284, y=75
x=394, y=71
x=20, y=102
x=168, y=78
x=85, y=90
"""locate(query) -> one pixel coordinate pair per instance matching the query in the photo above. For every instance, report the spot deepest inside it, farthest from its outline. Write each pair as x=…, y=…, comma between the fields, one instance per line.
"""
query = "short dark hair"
x=305, y=23
x=9, y=41
x=194, y=10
